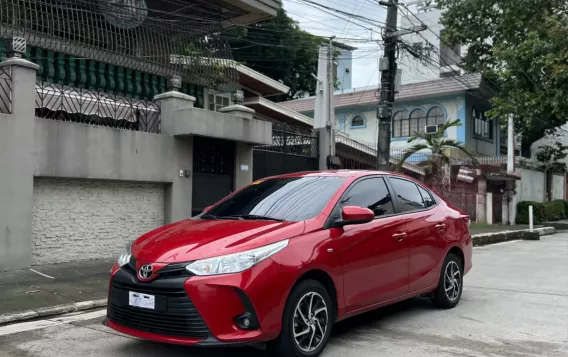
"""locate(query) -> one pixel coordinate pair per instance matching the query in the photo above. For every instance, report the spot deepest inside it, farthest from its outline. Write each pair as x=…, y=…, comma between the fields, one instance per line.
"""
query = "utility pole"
x=324, y=110
x=388, y=74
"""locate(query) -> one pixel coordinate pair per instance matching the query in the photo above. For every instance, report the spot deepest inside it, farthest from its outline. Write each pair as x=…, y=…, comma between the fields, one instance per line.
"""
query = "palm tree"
x=437, y=144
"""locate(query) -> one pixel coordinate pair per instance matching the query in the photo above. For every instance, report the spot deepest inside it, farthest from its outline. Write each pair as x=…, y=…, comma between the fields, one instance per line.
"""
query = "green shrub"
x=540, y=212
x=555, y=210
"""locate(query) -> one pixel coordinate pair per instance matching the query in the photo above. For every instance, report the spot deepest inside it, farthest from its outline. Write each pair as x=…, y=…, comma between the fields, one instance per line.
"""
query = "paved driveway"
x=515, y=304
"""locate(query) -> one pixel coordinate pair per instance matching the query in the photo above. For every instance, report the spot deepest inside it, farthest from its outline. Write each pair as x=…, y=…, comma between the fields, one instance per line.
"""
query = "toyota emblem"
x=145, y=271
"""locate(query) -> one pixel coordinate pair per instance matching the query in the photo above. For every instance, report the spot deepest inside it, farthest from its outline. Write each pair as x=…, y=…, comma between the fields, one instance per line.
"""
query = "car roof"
x=336, y=173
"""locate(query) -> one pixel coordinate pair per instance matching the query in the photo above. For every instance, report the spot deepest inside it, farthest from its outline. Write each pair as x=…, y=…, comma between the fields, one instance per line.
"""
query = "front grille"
x=174, y=315
x=174, y=270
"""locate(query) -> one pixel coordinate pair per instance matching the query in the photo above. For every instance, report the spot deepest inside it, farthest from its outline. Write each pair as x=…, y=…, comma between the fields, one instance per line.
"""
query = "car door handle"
x=399, y=236
x=440, y=226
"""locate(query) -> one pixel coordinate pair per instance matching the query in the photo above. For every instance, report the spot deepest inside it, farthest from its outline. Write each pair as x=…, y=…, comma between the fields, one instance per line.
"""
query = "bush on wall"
x=542, y=212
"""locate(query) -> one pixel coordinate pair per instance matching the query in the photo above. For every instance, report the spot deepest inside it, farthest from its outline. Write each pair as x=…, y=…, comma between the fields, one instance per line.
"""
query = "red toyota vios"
x=286, y=257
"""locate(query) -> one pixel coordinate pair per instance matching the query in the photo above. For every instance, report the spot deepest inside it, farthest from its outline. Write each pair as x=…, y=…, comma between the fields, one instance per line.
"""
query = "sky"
x=364, y=36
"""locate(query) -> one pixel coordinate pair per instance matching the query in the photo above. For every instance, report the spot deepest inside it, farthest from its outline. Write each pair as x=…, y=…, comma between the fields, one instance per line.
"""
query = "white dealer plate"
x=143, y=301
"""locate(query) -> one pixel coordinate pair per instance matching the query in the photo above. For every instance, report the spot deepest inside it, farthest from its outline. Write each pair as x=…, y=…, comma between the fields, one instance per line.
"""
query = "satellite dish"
x=125, y=14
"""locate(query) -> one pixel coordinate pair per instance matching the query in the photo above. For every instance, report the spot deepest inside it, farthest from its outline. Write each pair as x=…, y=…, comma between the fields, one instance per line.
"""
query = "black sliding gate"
x=293, y=149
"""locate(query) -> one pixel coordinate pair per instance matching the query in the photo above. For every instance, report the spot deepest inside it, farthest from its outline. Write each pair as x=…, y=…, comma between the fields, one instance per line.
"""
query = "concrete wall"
x=86, y=219
x=558, y=187
x=531, y=186
x=141, y=170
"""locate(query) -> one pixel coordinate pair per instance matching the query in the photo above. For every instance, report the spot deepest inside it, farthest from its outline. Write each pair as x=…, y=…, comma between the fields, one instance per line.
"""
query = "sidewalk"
x=53, y=289
x=61, y=288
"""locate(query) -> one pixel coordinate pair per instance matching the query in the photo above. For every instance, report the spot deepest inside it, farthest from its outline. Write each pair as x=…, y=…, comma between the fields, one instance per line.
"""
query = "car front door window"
x=409, y=198
x=370, y=193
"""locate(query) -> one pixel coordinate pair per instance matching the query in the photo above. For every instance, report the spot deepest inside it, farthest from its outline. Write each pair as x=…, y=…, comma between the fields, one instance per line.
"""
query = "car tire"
x=450, y=286
x=292, y=342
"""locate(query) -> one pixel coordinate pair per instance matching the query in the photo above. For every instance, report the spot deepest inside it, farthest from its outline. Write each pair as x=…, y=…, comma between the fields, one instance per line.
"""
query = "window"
x=482, y=125
x=408, y=195
x=400, y=120
x=417, y=121
x=426, y=197
x=371, y=193
x=435, y=116
x=358, y=121
x=218, y=101
x=404, y=126
x=288, y=199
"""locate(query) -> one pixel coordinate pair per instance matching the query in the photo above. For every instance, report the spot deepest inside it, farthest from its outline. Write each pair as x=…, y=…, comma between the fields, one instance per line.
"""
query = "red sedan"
x=286, y=257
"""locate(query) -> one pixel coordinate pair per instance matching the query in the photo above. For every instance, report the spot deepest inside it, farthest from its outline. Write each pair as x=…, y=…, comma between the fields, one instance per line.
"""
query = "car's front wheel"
x=450, y=287
x=307, y=321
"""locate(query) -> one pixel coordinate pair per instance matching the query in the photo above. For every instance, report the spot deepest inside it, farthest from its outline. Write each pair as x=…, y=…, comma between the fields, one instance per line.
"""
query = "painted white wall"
x=558, y=187
x=531, y=186
x=414, y=70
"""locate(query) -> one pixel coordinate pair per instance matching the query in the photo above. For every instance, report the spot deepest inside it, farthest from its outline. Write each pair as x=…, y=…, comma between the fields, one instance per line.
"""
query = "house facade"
x=418, y=106
x=97, y=148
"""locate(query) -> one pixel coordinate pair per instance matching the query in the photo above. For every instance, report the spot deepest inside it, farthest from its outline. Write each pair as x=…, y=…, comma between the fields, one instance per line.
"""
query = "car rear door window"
x=407, y=193
x=370, y=193
x=426, y=197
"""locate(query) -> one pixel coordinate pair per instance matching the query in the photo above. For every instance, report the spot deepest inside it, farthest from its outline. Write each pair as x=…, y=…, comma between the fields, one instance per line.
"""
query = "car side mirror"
x=354, y=215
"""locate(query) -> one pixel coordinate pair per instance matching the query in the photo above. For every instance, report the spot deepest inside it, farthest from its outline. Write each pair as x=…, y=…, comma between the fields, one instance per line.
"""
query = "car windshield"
x=282, y=199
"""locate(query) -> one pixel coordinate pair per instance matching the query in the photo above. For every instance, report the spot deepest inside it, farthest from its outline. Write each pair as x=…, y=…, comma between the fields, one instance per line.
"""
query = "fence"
x=292, y=140
x=6, y=90
x=81, y=105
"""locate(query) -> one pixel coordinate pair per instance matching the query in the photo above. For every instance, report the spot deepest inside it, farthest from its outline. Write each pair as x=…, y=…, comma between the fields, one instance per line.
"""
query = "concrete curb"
x=51, y=311
x=498, y=237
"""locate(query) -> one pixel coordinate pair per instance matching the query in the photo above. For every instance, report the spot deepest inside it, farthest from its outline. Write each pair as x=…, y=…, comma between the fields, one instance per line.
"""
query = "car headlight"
x=124, y=258
x=235, y=263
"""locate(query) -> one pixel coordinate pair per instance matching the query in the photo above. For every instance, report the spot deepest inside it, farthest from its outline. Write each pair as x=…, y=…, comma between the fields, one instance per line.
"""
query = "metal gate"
x=213, y=171
x=293, y=149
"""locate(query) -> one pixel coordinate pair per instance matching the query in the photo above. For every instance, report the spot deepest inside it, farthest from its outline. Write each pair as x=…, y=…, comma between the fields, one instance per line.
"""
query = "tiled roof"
x=439, y=87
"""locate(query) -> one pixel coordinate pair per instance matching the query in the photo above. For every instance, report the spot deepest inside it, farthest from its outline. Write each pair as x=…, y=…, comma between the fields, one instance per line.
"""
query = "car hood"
x=197, y=239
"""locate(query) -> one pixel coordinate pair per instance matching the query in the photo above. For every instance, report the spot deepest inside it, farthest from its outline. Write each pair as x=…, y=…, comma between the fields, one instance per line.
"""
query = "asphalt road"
x=515, y=304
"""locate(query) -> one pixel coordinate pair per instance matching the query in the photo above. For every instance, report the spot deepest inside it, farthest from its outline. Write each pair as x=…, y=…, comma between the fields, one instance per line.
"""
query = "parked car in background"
x=283, y=259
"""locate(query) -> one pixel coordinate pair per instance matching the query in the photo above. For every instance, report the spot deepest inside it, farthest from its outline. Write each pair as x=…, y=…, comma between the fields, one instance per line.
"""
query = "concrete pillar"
x=243, y=165
x=17, y=167
x=169, y=102
x=243, y=151
x=489, y=207
x=239, y=111
x=480, y=213
x=179, y=194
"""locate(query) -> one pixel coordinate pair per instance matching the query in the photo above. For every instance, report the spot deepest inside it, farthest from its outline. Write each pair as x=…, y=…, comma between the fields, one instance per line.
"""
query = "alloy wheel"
x=310, y=322
x=452, y=281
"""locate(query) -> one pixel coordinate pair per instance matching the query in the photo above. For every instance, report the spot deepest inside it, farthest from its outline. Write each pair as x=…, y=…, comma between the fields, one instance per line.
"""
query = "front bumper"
x=202, y=311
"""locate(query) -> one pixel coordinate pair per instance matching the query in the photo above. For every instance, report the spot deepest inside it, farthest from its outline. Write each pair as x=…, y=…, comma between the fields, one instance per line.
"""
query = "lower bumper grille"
x=174, y=313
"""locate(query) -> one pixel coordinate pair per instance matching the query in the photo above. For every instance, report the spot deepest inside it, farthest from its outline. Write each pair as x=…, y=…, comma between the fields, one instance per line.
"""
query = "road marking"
x=496, y=244
x=42, y=274
x=41, y=324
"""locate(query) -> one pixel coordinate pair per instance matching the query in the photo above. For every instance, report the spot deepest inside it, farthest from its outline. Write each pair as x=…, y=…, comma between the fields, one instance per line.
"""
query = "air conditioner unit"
x=432, y=129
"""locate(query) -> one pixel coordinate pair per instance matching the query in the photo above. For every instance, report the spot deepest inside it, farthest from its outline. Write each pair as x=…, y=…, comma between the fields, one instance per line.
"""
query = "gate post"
x=17, y=163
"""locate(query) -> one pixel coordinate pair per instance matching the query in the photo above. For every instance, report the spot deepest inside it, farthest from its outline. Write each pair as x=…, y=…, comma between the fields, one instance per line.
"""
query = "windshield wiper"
x=210, y=216
x=257, y=217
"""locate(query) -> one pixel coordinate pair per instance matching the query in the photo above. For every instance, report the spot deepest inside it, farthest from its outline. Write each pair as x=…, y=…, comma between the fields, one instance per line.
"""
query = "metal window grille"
x=160, y=37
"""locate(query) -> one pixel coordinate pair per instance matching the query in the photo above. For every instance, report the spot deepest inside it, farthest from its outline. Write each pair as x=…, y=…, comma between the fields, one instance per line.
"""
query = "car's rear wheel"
x=450, y=287
x=307, y=321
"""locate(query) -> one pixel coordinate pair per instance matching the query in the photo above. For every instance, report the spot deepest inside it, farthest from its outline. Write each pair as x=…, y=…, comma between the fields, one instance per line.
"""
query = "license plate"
x=140, y=300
